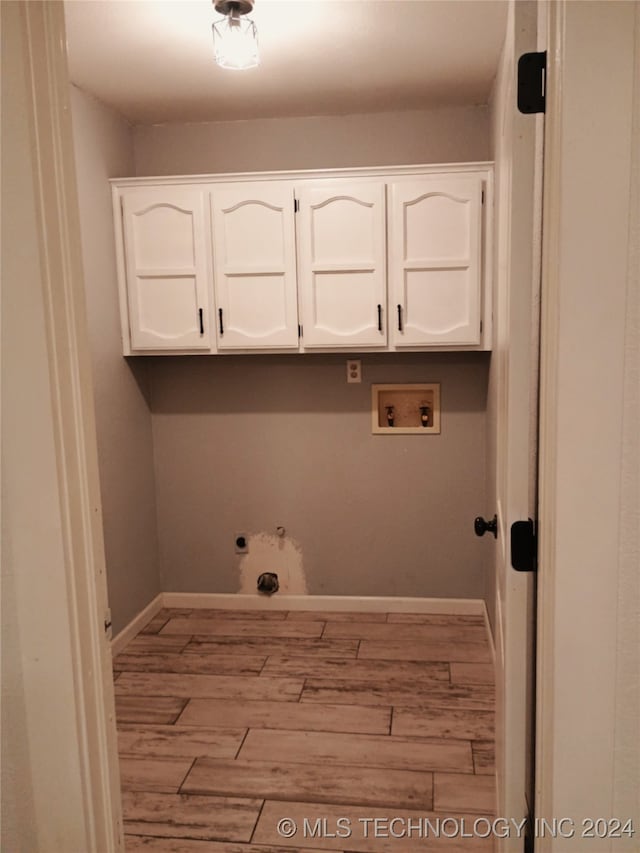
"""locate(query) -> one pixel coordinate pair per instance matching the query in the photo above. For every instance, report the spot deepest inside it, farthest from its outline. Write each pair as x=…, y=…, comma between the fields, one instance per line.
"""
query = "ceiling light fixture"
x=235, y=37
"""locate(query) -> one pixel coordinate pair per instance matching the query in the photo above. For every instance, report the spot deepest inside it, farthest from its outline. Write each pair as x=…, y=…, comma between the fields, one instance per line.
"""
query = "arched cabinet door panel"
x=300, y=262
x=435, y=261
x=165, y=231
x=341, y=264
x=254, y=265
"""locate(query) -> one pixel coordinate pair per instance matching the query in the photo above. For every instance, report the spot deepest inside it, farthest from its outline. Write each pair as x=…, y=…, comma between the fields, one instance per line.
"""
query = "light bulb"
x=235, y=41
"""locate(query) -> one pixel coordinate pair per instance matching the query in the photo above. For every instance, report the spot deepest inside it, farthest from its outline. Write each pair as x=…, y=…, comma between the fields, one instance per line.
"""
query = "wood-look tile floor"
x=230, y=721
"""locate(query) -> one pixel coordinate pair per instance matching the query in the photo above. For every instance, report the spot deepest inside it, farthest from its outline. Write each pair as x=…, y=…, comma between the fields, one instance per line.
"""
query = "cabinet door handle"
x=379, y=318
x=221, y=323
x=201, y=318
x=399, y=318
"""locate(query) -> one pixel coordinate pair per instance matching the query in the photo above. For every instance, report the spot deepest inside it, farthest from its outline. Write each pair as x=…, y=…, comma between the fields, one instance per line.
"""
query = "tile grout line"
x=175, y=722
x=186, y=774
x=473, y=759
x=181, y=652
x=351, y=733
x=255, y=826
x=244, y=737
x=302, y=689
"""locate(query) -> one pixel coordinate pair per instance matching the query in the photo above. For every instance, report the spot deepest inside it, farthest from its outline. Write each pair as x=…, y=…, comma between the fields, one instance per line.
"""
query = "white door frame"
x=588, y=659
x=92, y=708
x=78, y=635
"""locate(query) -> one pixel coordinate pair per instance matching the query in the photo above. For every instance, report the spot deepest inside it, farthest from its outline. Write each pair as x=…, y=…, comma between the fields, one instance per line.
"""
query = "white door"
x=341, y=264
x=514, y=416
x=167, y=268
x=435, y=260
x=255, y=265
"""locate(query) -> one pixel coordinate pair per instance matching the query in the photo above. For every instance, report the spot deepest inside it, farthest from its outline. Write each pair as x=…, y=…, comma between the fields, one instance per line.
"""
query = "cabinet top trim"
x=308, y=174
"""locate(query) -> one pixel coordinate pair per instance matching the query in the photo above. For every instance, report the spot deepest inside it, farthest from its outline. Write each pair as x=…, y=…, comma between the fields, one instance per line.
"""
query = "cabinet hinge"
x=532, y=82
x=482, y=197
x=296, y=205
x=299, y=330
x=480, y=326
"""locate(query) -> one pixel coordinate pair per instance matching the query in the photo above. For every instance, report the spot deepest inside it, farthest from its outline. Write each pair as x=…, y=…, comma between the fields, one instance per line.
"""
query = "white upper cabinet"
x=373, y=259
x=341, y=264
x=254, y=265
x=165, y=232
x=435, y=260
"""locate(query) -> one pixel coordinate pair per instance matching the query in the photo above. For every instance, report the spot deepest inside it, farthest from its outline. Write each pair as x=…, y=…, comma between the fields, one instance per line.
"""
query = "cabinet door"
x=341, y=264
x=435, y=260
x=166, y=257
x=254, y=265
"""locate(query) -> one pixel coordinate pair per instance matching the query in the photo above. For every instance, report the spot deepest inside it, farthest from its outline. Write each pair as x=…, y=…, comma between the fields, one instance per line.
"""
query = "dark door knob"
x=481, y=526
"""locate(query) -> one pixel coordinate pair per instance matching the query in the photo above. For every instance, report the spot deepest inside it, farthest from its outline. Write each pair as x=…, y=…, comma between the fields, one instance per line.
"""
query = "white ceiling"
x=152, y=60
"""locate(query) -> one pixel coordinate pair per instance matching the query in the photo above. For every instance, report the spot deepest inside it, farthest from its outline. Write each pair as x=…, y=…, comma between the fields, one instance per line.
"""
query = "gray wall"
x=243, y=444
x=247, y=443
x=104, y=149
x=444, y=135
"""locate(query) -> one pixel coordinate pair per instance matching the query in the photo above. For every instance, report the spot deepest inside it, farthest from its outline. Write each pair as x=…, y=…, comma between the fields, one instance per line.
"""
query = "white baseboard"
x=136, y=625
x=340, y=603
x=492, y=642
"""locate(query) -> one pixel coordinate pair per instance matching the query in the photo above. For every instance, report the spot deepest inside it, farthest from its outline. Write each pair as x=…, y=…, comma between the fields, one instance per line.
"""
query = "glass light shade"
x=235, y=40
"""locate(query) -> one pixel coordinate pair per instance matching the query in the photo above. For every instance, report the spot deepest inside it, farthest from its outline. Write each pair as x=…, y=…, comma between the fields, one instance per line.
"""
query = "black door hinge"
x=296, y=205
x=524, y=546
x=528, y=843
x=532, y=82
x=299, y=331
